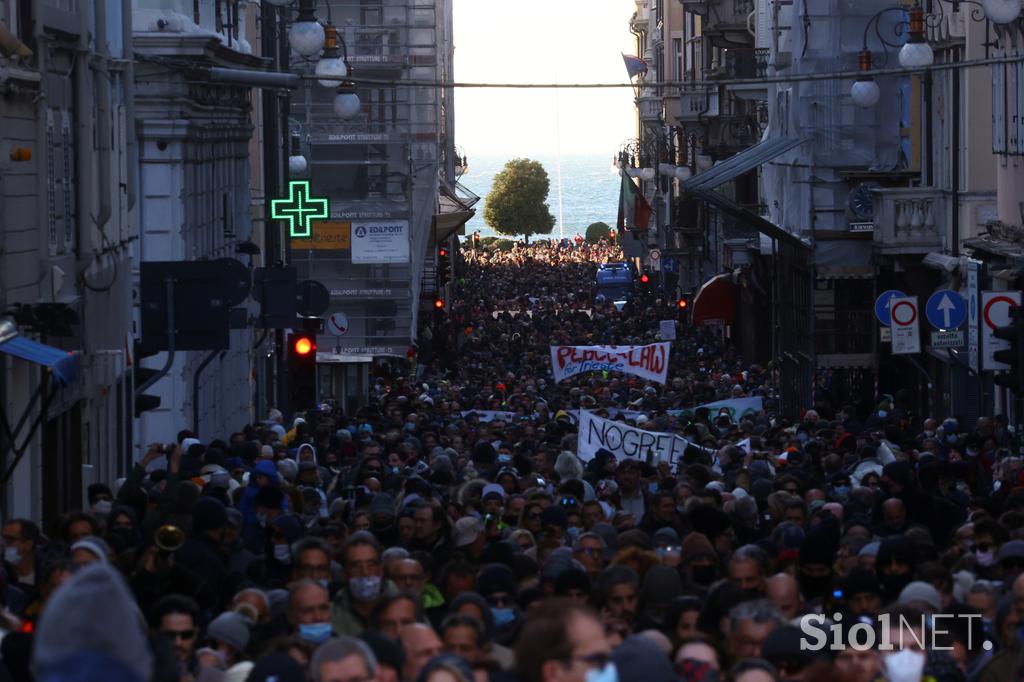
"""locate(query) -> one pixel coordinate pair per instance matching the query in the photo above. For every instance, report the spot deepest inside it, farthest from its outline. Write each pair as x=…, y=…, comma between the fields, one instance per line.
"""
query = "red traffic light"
x=304, y=345
x=683, y=304
x=439, y=304
x=442, y=252
x=644, y=279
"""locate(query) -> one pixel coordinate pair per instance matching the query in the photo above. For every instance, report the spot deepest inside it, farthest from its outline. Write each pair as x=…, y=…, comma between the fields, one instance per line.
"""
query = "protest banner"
x=485, y=416
x=738, y=408
x=649, y=362
x=623, y=440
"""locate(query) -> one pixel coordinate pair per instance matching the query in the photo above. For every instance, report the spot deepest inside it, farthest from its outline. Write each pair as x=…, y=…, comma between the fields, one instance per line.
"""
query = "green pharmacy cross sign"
x=299, y=209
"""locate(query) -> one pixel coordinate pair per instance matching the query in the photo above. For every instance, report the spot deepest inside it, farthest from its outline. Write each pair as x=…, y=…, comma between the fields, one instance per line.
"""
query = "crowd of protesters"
x=421, y=540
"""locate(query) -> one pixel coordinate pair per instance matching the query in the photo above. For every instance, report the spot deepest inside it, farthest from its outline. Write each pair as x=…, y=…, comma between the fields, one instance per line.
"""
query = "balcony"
x=725, y=20
x=698, y=102
x=649, y=105
x=909, y=221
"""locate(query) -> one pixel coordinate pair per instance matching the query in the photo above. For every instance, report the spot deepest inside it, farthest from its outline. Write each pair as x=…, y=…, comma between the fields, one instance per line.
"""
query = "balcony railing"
x=725, y=20
x=910, y=221
x=650, y=107
x=698, y=101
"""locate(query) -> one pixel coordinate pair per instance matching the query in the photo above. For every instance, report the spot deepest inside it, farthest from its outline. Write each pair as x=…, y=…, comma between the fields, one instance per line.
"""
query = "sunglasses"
x=184, y=635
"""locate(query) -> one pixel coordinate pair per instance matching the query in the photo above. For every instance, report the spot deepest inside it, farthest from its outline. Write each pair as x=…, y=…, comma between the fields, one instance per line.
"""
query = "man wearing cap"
x=468, y=538
x=229, y=635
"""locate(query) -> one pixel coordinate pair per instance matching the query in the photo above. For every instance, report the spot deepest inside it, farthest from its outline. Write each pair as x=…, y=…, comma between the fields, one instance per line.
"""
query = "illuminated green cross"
x=299, y=209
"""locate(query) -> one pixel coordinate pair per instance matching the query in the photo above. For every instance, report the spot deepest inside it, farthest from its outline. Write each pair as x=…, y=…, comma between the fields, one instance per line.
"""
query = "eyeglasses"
x=595, y=660
x=183, y=635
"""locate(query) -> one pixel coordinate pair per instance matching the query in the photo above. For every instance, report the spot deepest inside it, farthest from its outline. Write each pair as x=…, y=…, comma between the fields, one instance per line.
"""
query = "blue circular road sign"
x=882, y=305
x=946, y=309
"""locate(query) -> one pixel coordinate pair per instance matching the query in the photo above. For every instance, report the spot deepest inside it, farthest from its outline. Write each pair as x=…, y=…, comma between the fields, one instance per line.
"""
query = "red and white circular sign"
x=903, y=313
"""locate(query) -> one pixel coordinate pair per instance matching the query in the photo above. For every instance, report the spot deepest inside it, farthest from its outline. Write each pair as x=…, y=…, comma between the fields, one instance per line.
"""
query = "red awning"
x=715, y=302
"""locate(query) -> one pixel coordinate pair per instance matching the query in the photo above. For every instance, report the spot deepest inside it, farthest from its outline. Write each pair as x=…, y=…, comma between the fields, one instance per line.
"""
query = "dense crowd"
x=449, y=531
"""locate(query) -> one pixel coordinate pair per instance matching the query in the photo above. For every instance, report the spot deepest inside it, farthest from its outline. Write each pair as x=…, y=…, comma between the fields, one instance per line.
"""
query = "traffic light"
x=645, y=278
x=682, y=308
x=439, y=304
x=302, y=368
x=1013, y=356
x=444, y=266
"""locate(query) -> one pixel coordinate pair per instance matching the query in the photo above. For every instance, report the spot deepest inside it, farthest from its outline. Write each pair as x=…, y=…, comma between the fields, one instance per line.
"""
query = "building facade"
x=69, y=203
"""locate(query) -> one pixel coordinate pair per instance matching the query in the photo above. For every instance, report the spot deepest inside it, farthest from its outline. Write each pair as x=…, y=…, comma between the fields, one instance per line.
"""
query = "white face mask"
x=103, y=507
x=986, y=559
x=283, y=553
x=12, y=555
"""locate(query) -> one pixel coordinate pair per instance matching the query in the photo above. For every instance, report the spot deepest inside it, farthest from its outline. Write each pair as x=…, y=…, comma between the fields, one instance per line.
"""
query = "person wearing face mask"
x=101, y=500
x=988, y=538
x=275, y=568
x=497, y=585
x=565, y=642
x=309, y=612
x=699, y=566
x=363, y=576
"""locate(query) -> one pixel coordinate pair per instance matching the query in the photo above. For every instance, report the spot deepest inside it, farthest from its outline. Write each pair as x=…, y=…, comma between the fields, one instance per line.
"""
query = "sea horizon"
x=590, y=191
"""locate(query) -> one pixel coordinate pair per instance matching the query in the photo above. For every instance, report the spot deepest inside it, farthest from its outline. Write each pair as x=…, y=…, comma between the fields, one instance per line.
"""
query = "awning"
x=715, y=303
x=735, y=166
x=63, y=364
x=446, y=223
x=748, y=217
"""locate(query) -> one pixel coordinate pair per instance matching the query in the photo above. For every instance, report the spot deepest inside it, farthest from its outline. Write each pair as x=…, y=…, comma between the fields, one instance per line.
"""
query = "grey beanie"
x=79, y=616
x=230, y=628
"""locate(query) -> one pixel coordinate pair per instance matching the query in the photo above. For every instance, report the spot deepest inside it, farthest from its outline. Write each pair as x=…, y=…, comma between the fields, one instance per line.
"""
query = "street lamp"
x=297, y=164
x=332, y=62
x=1001, y=11
x=306, y=35
x=865, y=90
x=346, y=102
x=916, y=53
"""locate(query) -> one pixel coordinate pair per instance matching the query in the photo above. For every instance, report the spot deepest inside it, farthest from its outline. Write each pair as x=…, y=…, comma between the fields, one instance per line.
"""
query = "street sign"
x=946, y=309
x=655, y=255
x=884, y=335
x=669, y=265
x=906, y=325
x=973, y=269
x=995, y=312
x=948, y=339
x=337, y=324
x=882, y=305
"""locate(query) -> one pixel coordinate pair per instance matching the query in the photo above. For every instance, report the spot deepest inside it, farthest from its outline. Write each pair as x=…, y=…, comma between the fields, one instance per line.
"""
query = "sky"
x=530, y=41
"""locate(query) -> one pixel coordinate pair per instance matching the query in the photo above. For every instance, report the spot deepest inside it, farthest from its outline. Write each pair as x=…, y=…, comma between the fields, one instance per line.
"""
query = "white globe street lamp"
x=347, y=105
x=331, y=62
x=917, y=53
x=1002, y=11
x=306, y=35
x=297, y=165
x=865, y=91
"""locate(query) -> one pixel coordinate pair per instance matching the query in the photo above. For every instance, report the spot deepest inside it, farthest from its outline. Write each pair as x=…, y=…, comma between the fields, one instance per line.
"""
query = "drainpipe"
x=104, y=124
x=131, y=135
x=195, y=385
x=84, y=169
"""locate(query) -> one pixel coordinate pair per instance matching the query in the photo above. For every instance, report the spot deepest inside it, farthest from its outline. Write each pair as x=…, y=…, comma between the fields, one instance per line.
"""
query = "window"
x=677, y=56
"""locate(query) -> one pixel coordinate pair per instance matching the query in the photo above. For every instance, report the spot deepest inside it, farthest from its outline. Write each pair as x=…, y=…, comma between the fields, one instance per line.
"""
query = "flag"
x=634, y=65
x=634, y=211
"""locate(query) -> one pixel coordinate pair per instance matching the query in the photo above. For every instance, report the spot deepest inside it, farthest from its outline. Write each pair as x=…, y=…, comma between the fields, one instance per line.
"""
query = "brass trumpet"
x=169, y=538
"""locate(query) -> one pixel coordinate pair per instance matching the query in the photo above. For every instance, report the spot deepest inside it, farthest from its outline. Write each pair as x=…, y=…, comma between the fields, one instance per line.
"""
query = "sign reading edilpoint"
x=299, y=209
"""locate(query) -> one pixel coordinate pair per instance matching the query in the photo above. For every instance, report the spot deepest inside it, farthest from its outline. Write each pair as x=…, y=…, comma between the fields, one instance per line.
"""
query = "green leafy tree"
x=596, y=232
x=517, y=202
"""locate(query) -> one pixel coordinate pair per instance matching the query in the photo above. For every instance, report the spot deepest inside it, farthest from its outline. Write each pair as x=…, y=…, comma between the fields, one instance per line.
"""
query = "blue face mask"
x=609, y=673
x=503, y=617
x=840, y=492
x=652, y=488
x=574, y=533
x=504, y=459
x=316, y=633
x=883, y=414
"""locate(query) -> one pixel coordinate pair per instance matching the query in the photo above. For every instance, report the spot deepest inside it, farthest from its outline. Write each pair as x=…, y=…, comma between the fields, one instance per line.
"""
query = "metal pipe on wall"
x=131, y=133
x=104, y=124
x=84, y=122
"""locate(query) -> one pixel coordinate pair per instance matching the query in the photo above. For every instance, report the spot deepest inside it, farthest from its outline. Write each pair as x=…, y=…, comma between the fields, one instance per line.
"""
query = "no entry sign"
x=906, y=324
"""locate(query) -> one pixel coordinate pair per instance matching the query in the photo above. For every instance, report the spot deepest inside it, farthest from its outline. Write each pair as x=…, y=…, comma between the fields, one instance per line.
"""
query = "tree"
x=596, y=232
x=517, y=202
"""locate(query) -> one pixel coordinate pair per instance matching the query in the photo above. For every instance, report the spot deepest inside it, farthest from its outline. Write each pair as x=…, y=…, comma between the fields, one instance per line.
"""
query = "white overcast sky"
x=529, y=41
